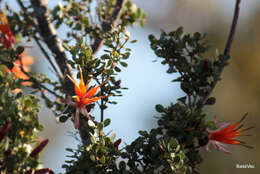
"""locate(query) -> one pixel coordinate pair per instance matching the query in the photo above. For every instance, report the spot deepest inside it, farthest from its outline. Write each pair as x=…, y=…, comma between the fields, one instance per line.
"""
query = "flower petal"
x=84, y=112
x=76, y=119
x=77, y=88
x=82, y=86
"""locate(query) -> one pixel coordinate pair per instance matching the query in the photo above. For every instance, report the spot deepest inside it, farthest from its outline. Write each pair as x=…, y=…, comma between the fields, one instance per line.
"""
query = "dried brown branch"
x=113, y=21
x=226, y=53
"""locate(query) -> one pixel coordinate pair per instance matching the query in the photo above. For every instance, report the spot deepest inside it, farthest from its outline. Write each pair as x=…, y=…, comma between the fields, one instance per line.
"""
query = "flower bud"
x=39, y=148
x=127, y=35
x=206, y=65
x=161, y=148
x=4, y=130
x=117, y=142
x=43, y=171
x=117, y=83
x=8, y=152
x=29, y=171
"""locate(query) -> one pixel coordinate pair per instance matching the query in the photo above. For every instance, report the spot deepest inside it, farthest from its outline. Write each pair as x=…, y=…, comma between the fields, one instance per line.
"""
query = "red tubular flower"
x=206, y=65
x=4, y=130
x=39, y=148
x=161, y=149
x=43, y=171
x=117, y=142
x=226, y=133
x=83, y=97
x=7, y=37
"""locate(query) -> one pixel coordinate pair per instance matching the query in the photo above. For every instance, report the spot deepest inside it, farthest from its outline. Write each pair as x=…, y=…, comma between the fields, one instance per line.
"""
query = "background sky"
x=149, y=84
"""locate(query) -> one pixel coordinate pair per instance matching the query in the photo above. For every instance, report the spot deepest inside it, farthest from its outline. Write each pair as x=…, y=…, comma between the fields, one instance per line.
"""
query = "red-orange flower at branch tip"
x=24, y=61
x=226, y=133
x=83, y=97
x=7, y=37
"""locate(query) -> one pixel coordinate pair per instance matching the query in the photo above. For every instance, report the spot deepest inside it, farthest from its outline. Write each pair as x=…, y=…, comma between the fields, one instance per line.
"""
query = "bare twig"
x=226, y=53
x=233, y=28
x=48, y=58
x=36, y=82
x=107, y=26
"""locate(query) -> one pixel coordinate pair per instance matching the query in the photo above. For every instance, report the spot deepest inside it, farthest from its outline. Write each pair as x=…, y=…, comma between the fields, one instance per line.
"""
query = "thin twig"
x=102, y=103
x=48, y=58
x=233, y=28
x=107, y=26
x=35, y=81
x=226, y=53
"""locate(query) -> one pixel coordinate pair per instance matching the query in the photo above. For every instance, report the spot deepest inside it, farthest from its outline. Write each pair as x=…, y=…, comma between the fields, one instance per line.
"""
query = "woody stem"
x=102, y=103
x=223, y=62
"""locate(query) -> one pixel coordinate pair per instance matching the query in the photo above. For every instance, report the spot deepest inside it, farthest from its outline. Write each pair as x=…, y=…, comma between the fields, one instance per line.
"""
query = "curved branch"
x=226, y=53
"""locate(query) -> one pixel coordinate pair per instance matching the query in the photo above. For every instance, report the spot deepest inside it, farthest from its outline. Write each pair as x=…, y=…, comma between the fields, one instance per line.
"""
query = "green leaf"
x=105, y=56
x=126, y=55
x=92, y=138
x=66, y=46
x=117, y=69
x=159, y=108
x=100, y=126
x=69, y=149
x=211, y=101
x=88, y=52
x=133, y=41
x=28, y=102
x=107, y=122
x=143, y=133
x=182, y=99
x=18, y=95
x=123, y=64
x=103, y=159
x=110, y=71
x=122, y=165
x=20, y=50
x=92, y=157
x=63, y=119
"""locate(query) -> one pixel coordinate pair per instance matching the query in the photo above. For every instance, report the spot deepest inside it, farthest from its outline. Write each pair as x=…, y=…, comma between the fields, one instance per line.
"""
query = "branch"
x=36, y=82
x=113, y=21
x=233, y=28
x=226, y=53
x=39, y=44
x=49, y=35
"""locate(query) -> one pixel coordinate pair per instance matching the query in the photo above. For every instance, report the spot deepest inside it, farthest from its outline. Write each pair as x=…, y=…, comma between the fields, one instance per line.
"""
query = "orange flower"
x=83, y=97
x=226, y=133
x=7, y=37
x=24, y=61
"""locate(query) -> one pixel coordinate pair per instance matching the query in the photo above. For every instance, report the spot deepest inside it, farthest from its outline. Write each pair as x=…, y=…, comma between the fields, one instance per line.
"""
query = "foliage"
x=172, y=147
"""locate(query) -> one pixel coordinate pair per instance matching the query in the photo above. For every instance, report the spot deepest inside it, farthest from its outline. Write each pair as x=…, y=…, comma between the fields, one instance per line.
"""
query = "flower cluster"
x=7, y=37
x=23, y=63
